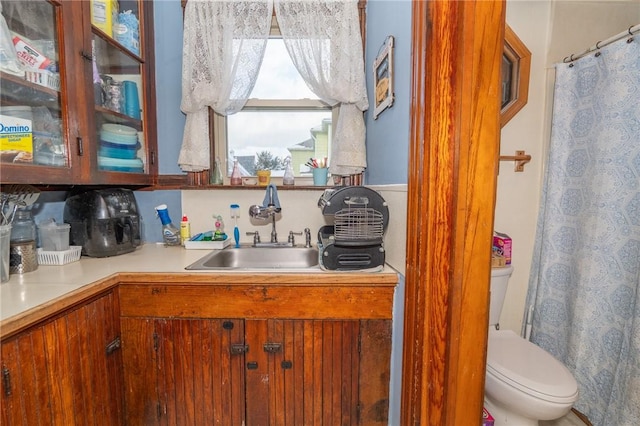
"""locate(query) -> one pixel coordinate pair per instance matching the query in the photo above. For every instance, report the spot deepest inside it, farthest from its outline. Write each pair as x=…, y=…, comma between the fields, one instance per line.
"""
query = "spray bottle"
x=170, y=234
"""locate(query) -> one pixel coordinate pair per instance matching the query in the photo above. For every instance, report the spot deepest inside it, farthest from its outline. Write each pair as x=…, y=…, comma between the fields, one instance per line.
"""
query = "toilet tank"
x=499, y=281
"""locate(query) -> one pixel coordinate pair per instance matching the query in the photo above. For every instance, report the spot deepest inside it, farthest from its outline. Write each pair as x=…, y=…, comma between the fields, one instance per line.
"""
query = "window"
x=282, y=119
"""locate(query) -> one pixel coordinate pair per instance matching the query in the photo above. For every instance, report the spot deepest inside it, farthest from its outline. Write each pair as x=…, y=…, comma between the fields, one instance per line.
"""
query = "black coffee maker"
x=105, y=222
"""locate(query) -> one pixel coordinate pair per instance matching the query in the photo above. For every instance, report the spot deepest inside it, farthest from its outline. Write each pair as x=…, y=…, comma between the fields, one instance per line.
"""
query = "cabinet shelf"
x=15, y=90
x=111, y=116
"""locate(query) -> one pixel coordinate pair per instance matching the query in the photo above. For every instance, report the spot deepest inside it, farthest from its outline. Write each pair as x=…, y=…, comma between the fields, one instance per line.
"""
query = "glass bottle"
x=216, y=175
x=23, y=228
x=288, y=178
x=236, y=177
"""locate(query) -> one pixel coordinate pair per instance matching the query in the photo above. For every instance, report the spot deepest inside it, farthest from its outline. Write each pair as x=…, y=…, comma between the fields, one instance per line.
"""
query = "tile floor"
x=570, y=419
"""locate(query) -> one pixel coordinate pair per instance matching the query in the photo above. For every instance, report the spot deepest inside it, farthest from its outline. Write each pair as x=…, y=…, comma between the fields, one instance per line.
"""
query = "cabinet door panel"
x=375, y=362
x=25, y=397
x=84, y=379
x=59, y=372
x=183, y=371
x=138, y=358
x=312, y=379
x=207, y=378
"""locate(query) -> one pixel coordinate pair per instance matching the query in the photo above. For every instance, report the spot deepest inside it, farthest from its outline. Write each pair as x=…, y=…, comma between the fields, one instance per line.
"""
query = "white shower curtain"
x=585, y=278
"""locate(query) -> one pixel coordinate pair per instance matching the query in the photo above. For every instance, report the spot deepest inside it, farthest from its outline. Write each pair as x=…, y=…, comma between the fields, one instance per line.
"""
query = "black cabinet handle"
x=272, y=347
x=113, y=346
x=6, y=381
x=239, y=348
x=252, y=365
x=80, y=146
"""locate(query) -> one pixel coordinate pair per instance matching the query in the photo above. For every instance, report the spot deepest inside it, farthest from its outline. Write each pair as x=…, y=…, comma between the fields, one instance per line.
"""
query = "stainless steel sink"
x=258, y=258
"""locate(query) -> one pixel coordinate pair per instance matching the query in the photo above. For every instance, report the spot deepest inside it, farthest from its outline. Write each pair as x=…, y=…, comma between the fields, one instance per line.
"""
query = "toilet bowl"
x=524, y=383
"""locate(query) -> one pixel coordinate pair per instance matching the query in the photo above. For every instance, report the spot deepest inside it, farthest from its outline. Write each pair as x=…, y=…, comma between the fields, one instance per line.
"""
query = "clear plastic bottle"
x=288, y=178
x=236, y=177
x=170, y=234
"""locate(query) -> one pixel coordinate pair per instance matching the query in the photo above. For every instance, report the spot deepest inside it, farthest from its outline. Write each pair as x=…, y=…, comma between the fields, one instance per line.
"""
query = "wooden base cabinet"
x=183, y=368
x=66, y=370
x=253, y=372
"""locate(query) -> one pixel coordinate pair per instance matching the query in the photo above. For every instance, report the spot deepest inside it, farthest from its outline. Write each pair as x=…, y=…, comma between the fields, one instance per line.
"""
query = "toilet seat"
x=528, y=368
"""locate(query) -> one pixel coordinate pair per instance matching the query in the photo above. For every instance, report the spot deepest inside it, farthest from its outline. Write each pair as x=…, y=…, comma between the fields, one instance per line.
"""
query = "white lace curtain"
x=223, y=47
x=323, y=39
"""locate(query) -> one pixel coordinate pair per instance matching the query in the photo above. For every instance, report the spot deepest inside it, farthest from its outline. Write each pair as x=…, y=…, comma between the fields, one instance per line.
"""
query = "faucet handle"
x=291, y=239
x=307, y=237
x=256, y=237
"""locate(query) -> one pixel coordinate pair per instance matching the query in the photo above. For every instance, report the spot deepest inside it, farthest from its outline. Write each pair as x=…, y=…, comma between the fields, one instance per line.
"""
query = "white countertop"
x=26, y=291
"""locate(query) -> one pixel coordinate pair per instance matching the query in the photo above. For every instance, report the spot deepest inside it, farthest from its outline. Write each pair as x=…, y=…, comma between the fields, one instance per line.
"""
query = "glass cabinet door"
x=119, y=82
x=31, y=112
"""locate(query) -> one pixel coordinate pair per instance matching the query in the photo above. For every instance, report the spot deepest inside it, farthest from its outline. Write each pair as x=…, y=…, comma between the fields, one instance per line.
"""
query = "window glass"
x=278, y=77
x=283, y=118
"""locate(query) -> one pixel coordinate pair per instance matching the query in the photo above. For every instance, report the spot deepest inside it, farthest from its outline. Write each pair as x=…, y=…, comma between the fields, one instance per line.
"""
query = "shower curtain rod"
x=630, y=32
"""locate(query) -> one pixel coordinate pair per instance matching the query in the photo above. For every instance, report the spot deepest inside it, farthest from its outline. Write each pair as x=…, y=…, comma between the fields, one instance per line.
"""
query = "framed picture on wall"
x=383, y=78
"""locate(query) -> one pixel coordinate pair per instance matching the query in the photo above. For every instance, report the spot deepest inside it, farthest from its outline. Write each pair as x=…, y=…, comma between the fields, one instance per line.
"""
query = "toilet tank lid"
x=499, y=271
x=529, y=368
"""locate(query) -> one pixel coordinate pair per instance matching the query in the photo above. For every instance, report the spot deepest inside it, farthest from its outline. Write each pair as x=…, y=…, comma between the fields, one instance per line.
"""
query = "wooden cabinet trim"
x=11, y=326
x=256, y=301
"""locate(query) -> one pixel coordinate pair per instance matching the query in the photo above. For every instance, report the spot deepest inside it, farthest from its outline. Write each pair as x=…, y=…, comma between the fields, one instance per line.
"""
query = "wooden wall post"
x=454, y=147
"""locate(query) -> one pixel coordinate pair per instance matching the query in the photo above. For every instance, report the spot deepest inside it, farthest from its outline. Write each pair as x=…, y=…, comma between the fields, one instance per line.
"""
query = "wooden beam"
x=454, y=140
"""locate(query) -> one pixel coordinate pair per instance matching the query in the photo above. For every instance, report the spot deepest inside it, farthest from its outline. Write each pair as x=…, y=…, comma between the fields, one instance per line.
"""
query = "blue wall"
x=388, y=136
x=168, y=50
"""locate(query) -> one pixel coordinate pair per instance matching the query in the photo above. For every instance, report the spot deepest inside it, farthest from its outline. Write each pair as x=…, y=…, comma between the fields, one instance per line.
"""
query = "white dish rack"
x=61, y=257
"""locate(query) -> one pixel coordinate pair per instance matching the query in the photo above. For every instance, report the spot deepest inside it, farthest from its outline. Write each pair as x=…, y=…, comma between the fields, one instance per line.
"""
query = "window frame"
x=220, y=142
x=218, y=134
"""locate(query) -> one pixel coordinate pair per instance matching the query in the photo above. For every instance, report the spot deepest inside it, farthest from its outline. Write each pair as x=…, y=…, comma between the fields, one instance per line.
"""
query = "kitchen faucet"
x=268, y=210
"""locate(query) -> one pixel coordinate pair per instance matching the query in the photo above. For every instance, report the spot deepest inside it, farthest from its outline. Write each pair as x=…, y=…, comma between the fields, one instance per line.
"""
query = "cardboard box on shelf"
x=104, y=14
x=16, y=139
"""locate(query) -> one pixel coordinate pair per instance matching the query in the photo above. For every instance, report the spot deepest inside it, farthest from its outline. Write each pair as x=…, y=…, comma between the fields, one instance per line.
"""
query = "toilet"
x=523, y=383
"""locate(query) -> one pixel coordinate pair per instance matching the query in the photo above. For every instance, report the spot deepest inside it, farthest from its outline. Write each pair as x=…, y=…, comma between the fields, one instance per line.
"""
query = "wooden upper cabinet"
x=83, y=110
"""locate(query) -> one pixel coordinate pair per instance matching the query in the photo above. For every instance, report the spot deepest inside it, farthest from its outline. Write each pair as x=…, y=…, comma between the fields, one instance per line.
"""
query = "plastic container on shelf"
x=53, y=236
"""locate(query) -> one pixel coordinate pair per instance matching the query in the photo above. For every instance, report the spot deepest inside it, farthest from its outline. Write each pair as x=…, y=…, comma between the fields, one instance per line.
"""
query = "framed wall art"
x=383, y=77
